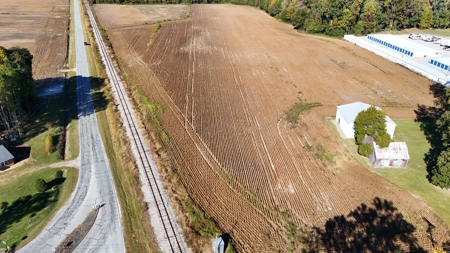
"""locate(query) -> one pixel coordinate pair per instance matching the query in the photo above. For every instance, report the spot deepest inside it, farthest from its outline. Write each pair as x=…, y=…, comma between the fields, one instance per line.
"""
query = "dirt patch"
x=113, y=15
x=226, y=77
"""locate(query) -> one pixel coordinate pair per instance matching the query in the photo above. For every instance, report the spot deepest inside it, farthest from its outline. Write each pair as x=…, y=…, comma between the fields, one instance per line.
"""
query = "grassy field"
x=27, y=211
x=439, y=32
x=413, y=178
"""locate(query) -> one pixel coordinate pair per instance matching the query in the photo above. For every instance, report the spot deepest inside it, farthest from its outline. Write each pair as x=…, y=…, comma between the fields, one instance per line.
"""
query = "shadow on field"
x=427, y=116
x=56, y=182
x=59, y=109
x=24, y=206
x=377, y=227
x=20, y=153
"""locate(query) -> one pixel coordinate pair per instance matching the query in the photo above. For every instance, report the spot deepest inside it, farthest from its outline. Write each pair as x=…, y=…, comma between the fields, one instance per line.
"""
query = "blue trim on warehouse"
x=396, y=48
x=441, y=65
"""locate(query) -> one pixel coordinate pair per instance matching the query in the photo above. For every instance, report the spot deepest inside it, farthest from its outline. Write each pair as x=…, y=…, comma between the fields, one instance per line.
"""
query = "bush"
x=59, y=174
x=49, y=148
x=315, y=28
x=337, y=32
x=40, y=185
x=365, y=149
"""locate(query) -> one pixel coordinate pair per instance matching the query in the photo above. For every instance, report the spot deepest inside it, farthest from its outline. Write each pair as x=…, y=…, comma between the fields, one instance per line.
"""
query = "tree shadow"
x=378, y=227
x=24, y=206
x=56, y=182
x=427, y=116
x=80, y=96
x=20, y=153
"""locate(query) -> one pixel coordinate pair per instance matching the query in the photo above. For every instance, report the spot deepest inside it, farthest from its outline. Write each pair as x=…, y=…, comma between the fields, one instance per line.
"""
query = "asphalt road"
x=95, y=184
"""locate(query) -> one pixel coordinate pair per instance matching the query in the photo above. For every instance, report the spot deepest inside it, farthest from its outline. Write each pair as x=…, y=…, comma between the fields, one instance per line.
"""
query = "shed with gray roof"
x=6, y=158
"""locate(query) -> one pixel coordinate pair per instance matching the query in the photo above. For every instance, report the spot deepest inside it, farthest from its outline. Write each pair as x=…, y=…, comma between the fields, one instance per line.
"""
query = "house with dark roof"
x=346, y=115
x=6, y=158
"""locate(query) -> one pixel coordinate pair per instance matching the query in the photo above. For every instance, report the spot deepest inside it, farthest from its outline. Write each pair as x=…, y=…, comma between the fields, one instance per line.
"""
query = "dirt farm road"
x=95, y=184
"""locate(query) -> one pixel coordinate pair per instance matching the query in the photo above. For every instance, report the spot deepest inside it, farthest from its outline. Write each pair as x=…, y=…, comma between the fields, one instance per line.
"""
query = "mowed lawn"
x=28, y=211
x=413, y=178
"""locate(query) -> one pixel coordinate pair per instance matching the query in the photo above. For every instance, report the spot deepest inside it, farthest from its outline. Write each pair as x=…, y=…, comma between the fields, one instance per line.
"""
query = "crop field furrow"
x=226, y=76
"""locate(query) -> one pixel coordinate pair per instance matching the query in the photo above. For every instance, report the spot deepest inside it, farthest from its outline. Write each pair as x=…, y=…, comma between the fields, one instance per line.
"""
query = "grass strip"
x=25, y=212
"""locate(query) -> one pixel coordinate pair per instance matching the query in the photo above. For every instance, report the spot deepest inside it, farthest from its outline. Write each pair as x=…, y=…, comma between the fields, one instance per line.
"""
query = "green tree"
x=40, y=185
x=426, y=20
x=369, y=15
x=370, y=125
x=444, y=19
x=299, y=17
x=16, y=87
x=441, y=171
x=347, y=21
x=414, y=9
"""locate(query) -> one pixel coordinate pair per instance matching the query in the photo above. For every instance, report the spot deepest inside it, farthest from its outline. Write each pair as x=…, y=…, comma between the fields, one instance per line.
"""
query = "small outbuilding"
x=346, y=115
x=394, y=156
x=6, y=158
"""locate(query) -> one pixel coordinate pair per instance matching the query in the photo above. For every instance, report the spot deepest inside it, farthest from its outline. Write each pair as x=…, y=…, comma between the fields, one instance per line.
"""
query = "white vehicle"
x=427, y=38
x=444, y=43
x=415, y=36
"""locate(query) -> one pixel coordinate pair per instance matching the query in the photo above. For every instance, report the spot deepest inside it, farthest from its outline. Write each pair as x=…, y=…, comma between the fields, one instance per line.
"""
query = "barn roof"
x=350, y=111
x=395, y=150
x=4, y=154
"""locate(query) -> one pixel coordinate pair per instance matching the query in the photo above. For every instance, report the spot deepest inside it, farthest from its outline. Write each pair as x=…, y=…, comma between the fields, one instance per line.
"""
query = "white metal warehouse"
x=404, y=46
x=346, y=115
x=443, y=63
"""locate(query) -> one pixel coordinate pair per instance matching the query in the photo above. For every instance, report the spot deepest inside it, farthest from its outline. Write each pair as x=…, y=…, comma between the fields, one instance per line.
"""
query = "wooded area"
x=335, y=18
x=17, y=94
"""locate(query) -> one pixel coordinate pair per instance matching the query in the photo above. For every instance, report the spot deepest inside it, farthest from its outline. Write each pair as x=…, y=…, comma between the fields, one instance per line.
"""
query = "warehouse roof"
x=4, y=154
x=350, y=111
x=395, y=150
x=443, y=60
x=403, y=43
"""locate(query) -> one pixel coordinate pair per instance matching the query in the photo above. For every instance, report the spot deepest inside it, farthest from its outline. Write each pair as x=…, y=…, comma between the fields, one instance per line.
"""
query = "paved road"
x=95, y=184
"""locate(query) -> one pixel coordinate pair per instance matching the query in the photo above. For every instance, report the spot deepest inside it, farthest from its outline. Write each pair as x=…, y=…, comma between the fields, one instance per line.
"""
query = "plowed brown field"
x=40, y=26
x=227, y=75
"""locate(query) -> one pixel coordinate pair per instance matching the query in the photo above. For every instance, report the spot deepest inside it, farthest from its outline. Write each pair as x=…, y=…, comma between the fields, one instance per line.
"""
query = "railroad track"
x=161, y=212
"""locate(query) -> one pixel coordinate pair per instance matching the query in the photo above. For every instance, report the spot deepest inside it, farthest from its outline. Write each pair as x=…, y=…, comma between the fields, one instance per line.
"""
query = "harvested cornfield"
x=227, y=76
x=42, y=27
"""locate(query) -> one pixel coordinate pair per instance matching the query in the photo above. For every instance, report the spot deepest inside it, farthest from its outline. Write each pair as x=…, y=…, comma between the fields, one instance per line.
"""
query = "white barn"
x=346, y=115
x=394, y=156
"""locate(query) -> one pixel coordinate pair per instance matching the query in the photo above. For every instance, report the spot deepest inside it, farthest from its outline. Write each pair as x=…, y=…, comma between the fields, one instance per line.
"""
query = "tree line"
x=338, y=17
x=17, y=94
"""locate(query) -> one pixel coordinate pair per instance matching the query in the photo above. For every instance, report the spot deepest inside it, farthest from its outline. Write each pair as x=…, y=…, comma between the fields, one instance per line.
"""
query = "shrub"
x=59, y=174
x=336, y=32
x=49, y=148
x=40, y=185
x=365, y=149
